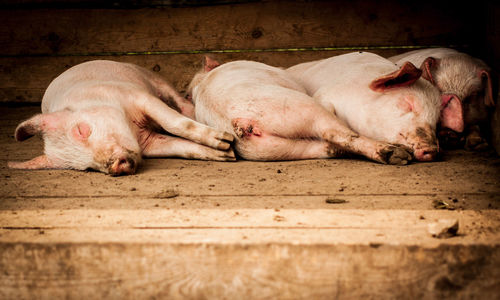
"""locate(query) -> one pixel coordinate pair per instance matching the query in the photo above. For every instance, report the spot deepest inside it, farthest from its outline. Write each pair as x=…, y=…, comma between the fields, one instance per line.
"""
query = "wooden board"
x=38, y=44
x=262, y=25
x=24, y=79
x=247, y=230
x=266, y=271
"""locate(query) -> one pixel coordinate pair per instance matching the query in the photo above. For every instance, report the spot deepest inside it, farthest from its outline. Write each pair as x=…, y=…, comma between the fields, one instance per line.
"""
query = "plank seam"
x=299, y=49
x=186, y=227
x=149, y=196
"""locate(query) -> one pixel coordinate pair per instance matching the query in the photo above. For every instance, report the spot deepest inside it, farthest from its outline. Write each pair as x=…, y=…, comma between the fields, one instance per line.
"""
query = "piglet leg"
x=473, y=139
x=170, y=96
x=39, y=162
x=384, y=153
x=159, y=145
x=179, y=125
x=256, y=144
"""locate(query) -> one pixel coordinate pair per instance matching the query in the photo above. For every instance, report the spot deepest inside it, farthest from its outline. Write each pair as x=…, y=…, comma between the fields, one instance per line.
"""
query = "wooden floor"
x=248, y=230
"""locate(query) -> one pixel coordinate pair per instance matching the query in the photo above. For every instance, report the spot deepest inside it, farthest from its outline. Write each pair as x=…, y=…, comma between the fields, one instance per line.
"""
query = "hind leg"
x=255, y=144
x=159, y=145
x=271, y=148
x=309, y=120
x=171, y=97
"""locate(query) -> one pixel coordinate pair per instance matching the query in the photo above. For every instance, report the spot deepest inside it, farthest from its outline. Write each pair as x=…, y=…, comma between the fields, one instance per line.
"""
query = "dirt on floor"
x=458, y=181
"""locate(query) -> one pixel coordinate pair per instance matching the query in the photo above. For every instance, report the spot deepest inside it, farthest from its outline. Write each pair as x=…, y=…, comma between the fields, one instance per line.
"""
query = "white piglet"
x=273, y=118
x=466, y=86
x=376, y=99
x=105, y=115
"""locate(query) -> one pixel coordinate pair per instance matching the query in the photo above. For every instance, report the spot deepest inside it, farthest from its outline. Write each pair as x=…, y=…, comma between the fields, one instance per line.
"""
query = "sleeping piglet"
x=466, y=86
x=376, y=99
x=105, y=115
x=272, y=118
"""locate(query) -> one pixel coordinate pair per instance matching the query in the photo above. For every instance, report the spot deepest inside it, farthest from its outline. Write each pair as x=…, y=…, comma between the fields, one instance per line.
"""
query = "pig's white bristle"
x=458, y=74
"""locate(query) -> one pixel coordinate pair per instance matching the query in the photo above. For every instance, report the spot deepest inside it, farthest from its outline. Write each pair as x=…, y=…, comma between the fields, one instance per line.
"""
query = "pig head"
x=466, y=84
x=96, y=138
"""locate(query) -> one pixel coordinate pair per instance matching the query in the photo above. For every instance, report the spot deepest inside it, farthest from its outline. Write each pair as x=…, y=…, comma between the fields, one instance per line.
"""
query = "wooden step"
x=314, y=229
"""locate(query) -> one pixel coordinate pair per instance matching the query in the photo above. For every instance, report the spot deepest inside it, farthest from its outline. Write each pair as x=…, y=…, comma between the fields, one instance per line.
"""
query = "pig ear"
x=209, y=64
x=402, y=77
x=452, y=115
x=40, y=123
x=39, y=162
x=29, y=128
x=428, y=66
x=489, y=100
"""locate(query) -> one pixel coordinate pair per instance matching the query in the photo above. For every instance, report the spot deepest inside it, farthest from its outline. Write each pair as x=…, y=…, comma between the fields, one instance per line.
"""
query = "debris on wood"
x=166, y=194
x=441, y=204
x=331, y=200
x=279, y=218
x=444, y=228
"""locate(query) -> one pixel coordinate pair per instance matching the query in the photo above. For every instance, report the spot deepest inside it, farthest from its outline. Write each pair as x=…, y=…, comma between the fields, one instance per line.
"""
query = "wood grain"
x=24, y=79
x=261, y=25
x=262, y=271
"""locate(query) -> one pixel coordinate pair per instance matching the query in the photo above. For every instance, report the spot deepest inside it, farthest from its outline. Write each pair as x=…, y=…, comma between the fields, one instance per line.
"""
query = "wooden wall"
x=39, y=39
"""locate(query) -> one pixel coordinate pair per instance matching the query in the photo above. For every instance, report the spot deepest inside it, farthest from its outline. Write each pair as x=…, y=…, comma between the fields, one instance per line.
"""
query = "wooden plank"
x=308, y=226
x=295, y=178
x=36, y=4
x=272, y=271
x=24, y=79
x=262, y=25
x=458, y=201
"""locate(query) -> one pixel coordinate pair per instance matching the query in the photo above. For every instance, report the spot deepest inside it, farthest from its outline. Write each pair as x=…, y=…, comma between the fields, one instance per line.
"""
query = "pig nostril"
x=426, y=155
x=131, y=162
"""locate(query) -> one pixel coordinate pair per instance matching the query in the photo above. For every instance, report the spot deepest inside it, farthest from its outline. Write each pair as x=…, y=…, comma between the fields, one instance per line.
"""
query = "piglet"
x=272, y=118
x=466, y=87
x=105, y=115
x=376, y=99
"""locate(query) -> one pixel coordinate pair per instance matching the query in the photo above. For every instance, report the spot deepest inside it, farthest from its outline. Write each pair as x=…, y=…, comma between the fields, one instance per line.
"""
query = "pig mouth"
x=428, y=153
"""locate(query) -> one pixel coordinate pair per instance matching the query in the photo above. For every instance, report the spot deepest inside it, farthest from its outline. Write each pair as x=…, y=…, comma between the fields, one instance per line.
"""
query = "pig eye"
x=188, y=97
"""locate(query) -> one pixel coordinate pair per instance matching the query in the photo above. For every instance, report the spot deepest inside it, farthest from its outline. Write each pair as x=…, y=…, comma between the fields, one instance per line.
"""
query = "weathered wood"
x=245, y=230
x=227, y=226
x=86, y=34
x=24, y=79
x=36, y=4
x=262, y=25
x=278, y=202
x=273, y=271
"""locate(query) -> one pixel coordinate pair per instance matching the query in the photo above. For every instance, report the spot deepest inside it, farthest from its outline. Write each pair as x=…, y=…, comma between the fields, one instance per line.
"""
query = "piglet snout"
x=123, y=166
x=426, y=154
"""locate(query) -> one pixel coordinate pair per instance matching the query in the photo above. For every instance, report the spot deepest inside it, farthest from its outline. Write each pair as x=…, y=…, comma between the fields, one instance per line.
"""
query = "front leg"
x=159, y=145
x=179, y=125
x=473, y=139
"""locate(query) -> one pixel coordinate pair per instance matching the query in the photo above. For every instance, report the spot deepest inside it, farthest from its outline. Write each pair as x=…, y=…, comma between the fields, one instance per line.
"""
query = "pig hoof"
x=223, y=141
x=222, y=145
x=474, y=142
x=223, y=155
x=394, y=155
x=229, y=155
x=334, y=151
x=245, y=127
x=226, y=136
